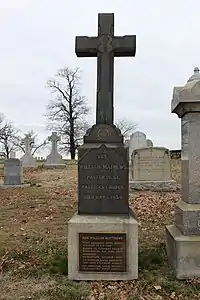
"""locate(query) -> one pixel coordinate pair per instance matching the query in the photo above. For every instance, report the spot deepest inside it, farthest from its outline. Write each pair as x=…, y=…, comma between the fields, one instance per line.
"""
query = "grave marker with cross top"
x=105, y=47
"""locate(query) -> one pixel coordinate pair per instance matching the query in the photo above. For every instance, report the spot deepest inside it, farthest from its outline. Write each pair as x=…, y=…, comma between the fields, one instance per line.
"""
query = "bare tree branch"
x=66, y=114
x=35, y=146
x=127, y=127
x=8, y=135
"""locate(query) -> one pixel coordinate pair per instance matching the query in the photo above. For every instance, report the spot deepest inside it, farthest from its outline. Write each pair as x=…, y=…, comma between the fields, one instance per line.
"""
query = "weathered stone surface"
x=12, y=171
x=27, y=159
x=190, y=158
x=155, y=186
x=13, y=174
x=103, y=225
x=103, y=172
x=54, y=159
x=137, y=140
x=183, y=239
x=103, y=133
x=105, y=47
x=151, y=164
x=187, y=218
x=183, y=253
x=186, y=98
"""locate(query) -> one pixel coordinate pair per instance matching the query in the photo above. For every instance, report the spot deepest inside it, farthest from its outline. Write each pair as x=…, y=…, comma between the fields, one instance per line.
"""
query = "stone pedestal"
x=98, y=243
x=183, y=252
x=155, y=186
x=183, y=238
x=103, y=236
x=28, y=161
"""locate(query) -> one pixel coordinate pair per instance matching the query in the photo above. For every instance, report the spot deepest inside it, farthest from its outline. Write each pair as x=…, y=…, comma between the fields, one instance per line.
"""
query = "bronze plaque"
x=102, y=252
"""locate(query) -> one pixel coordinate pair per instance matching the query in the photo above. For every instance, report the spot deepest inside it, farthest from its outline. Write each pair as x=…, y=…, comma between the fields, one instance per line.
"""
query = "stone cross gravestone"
x=104, y=223
x=27, y=159
x=183, y=238
x=54, y=159
x=151, y=170
x=137, y=140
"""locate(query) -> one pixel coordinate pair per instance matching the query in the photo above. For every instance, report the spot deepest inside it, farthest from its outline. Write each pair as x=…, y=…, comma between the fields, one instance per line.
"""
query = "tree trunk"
x=7, y=152
x=72, y=152
x=72, y=143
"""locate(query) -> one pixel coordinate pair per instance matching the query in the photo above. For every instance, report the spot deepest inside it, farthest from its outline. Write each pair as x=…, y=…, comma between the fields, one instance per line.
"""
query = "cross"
x=105, y=47
x=28, y=141
x=54, y=138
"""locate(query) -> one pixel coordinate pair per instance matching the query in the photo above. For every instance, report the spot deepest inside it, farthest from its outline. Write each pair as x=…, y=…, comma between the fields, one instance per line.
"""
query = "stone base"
x=103, y=224
x=183, y=253
x=28, y=161
x=12, y=186
x=60, y=166
x=156, y=186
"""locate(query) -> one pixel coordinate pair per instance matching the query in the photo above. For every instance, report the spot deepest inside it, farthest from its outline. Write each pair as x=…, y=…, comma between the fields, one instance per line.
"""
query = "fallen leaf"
x=157, y=287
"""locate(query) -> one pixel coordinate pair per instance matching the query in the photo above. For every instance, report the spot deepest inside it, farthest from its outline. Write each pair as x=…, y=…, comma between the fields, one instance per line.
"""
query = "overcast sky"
x=37, y=37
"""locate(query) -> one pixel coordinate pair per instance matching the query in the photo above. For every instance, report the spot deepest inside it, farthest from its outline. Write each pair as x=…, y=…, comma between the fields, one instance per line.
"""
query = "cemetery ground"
x=33, y=243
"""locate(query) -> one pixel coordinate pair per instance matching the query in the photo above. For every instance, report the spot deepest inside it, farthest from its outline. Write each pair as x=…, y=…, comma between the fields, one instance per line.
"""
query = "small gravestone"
x=12, y=154
x=149, y=143
x=103, y=235
x=183, y=238
x=13, y=174
x=54, y=159
x=151, y=169
x=28, y=161
x=137, y=140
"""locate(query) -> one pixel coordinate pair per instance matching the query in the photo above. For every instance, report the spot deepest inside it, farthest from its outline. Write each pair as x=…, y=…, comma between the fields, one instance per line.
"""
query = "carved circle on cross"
x=105, y=41
x=102, y=133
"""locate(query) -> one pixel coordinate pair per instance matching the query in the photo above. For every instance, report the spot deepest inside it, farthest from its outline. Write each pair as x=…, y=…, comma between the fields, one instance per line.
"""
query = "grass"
x=33, y=243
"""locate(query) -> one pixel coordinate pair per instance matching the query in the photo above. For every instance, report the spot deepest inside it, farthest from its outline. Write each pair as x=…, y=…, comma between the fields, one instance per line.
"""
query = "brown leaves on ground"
x=33, y=244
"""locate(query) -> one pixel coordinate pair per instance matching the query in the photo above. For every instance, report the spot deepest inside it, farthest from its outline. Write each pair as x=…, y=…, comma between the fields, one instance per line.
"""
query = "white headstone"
x=137, y=140
x=151, y=164
x=12, y=154
x=54, y=158
x=27, y=159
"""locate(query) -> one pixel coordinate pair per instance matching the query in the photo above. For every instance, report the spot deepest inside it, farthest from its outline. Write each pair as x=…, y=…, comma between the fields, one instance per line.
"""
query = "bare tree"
x=35, y=145
x=126, y=126
x=66, y=114
x=8, y=135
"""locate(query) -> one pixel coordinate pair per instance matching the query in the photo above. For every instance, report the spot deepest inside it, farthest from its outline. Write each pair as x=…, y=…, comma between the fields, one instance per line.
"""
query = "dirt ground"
x=33, y=243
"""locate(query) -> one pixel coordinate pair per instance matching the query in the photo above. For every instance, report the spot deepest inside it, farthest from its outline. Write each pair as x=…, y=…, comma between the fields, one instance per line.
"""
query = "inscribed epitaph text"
x=102, y=252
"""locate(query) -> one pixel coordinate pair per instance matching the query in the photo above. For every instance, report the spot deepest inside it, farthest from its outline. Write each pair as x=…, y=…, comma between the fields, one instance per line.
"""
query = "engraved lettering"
x=102, y=177
x=103, y=197
x=102, y=156
x=103, y=167
x=102, y=187
x=102, y=252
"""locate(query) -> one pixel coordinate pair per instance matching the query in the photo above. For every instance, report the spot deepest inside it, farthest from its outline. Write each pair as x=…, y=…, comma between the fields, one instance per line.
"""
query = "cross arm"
x=124, y=45
x=86, y=46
